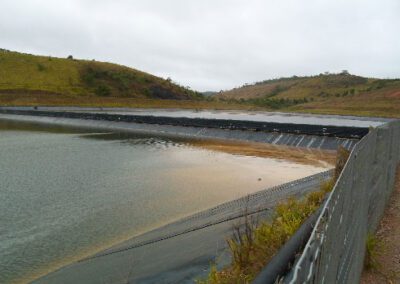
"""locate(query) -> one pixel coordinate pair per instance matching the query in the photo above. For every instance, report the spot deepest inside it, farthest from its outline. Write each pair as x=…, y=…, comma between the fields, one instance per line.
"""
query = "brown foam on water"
x=314, y=157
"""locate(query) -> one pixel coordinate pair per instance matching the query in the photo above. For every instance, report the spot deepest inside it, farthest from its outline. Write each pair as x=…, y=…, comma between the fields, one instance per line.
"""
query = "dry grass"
x=359, y=106
x=29, y=99
x=387, y=108
x=327, y=94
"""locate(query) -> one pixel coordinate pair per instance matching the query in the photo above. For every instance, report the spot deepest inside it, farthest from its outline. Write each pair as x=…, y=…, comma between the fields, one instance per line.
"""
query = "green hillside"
x=29, y=80
x=341, y=93
x=22, y=74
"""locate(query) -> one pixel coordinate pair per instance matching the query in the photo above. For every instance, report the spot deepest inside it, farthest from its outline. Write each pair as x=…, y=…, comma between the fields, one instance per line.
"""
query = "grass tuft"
x=371, y=253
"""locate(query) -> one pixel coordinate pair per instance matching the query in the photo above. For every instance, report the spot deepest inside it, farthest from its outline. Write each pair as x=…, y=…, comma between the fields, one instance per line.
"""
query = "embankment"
x=295, y=135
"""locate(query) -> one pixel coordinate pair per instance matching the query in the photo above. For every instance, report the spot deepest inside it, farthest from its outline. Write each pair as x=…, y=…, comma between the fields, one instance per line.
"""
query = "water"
x=66, y=194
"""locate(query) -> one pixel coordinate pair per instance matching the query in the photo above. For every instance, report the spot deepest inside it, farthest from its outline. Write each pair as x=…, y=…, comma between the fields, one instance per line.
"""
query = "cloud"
x=213, y=45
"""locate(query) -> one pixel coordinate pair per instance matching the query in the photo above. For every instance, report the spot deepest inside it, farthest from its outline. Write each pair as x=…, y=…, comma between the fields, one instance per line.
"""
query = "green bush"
x=371, y=252
x=103, y=91
x=40, y=67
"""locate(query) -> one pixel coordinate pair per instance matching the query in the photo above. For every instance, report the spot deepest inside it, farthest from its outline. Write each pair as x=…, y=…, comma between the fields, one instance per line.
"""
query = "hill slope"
x=22, y=74
x=341, y=93
x=29, y=80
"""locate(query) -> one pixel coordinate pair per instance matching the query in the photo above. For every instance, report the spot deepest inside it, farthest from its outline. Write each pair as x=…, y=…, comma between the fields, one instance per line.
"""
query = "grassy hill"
x=341, y=93
x=48, y=80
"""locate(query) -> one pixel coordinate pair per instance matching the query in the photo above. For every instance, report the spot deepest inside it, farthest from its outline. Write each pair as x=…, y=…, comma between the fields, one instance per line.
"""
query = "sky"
x=212, y=45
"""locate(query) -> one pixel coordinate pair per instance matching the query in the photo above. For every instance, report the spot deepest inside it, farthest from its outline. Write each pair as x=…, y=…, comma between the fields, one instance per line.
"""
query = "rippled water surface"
x=67, y=194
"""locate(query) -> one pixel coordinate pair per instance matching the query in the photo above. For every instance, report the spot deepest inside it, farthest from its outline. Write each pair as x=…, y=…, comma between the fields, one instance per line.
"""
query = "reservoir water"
x=276, y=117
x=66, y=194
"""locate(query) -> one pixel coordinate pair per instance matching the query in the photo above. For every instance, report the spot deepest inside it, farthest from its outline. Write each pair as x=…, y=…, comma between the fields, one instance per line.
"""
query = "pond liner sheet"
x=256, y=126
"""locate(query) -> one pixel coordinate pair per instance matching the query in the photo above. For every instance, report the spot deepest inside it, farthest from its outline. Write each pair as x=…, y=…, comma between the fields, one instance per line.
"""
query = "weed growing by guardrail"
x=371, y=252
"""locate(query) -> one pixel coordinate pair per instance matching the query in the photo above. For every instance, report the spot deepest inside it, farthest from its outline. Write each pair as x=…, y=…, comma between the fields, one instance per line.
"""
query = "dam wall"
x=294, y=135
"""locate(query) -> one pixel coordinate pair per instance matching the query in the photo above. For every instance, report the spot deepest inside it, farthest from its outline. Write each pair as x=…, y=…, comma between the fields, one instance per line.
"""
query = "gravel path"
x=388, y=234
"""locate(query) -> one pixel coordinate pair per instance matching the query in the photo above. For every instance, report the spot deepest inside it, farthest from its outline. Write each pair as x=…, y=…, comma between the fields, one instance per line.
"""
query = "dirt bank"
x=388, y=256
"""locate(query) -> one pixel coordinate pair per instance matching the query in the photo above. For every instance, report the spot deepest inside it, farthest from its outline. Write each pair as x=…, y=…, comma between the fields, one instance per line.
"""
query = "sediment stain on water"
x=66, y=194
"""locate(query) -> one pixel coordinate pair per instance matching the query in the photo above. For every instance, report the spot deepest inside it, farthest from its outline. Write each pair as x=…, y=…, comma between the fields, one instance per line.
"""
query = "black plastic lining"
x=300, y=129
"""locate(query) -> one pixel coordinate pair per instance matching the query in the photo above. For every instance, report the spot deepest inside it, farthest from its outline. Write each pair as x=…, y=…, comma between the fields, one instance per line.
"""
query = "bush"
x=40, y=67
x=371, y=252
x=103, y=91
x=276, y=103
x=341, y=159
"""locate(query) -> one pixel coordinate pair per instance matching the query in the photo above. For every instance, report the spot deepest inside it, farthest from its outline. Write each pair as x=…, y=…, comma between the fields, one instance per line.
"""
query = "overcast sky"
x=212, y=44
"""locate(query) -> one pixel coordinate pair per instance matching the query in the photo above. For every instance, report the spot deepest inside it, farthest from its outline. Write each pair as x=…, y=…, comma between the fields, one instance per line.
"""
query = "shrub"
x=341, y=159
x=371, y=252
x=381, y=84
x=103, y=91
x=40, y=67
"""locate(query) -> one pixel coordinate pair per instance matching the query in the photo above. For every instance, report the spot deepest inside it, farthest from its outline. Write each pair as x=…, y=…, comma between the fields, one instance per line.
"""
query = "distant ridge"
x=341, y=93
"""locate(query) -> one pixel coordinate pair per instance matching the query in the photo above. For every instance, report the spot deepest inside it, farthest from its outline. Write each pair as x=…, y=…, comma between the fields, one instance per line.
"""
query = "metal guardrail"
x=335, y=250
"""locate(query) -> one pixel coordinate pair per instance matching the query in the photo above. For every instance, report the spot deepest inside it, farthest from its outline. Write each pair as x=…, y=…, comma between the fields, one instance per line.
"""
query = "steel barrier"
x=335, y=250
